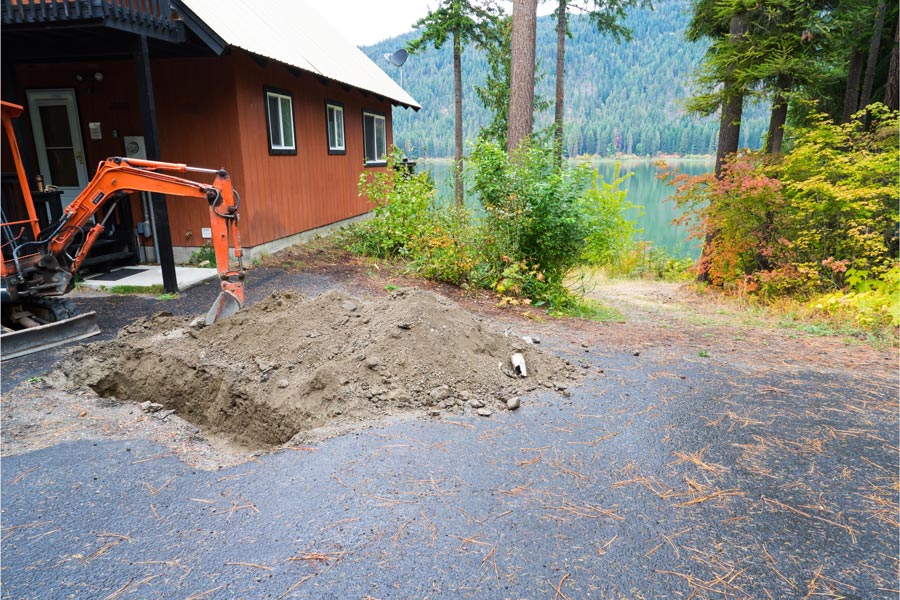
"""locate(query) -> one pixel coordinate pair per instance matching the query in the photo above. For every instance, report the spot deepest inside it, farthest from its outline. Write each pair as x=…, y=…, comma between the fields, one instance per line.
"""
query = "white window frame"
x=336, y=129
x=279, y=146
x=381, y=157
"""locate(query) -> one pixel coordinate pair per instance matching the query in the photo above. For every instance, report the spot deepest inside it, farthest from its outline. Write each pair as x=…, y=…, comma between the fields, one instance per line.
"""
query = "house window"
x=334, y=114
x=280, y=120
x=374, y=138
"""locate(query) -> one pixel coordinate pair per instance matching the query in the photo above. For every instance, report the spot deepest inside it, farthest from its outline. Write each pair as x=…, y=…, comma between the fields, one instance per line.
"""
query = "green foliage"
x=203, y=256
x=610, y=234
x=537, y=220
x=401, y=212
x=645, y=261
x=533, y=210
x=124, y=290
x=444, y=248
x=462, y=20
x=878, y=305
x=822, y=219
x=494, y=94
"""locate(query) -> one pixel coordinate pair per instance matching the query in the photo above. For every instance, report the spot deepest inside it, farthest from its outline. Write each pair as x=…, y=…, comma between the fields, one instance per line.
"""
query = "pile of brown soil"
x=289, y=364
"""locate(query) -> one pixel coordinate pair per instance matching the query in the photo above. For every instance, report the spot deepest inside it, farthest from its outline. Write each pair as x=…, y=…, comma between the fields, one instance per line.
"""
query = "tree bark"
x=733, y=104
x=872, y=61
x=521, y=92
x=779, y=114
x=558, y=131
x=851, y=95
x=892, y=89
x=458, y=120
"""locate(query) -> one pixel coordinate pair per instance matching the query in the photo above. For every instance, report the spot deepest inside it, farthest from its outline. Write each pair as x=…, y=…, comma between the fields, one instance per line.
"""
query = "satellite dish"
x=397, y=58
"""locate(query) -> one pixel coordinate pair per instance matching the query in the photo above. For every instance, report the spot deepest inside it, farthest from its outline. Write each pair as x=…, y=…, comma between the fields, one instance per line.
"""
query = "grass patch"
x=125, y=290
x=590, y=310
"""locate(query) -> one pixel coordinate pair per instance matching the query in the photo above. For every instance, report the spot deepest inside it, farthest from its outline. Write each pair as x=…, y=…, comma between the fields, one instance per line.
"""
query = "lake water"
x=644, y=190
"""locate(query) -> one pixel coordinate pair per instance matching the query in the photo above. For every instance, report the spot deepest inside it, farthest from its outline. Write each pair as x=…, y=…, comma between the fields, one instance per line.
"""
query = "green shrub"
x=534, y=216
x=538, y=220
x=821, y=219
x=402, y=201
x=645, y=261
x=204, y=255
x=610, y=233
x=444, y=249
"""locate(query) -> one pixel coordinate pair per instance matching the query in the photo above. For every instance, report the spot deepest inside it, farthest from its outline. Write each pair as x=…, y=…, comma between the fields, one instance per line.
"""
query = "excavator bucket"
x=225, y=305
x=35, y=339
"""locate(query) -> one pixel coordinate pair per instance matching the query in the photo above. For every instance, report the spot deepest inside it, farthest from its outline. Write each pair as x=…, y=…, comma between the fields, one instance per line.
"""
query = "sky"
x=366, y=22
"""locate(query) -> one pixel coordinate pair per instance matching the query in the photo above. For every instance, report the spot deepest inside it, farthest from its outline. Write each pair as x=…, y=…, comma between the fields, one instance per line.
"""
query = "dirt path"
x=664, y=314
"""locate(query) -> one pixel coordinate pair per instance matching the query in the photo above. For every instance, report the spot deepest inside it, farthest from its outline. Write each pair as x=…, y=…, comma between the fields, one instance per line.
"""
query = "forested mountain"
x=619, y=97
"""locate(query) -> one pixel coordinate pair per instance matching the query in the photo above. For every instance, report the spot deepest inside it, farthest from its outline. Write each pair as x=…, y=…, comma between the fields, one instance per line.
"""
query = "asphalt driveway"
x=664, y=475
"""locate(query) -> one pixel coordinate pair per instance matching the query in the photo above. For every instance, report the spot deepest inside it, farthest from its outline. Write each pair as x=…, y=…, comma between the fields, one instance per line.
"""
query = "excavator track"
x=54, y=324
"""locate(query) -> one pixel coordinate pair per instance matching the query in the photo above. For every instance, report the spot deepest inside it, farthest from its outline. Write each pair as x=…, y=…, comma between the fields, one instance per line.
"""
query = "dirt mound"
x=289, y=364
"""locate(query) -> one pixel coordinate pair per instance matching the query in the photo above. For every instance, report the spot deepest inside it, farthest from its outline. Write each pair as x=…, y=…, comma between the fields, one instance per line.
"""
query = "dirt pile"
x=289, y=364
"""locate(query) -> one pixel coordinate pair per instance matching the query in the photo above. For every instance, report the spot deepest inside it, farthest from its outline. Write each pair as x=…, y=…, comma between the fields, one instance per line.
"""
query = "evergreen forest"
x=623, y=97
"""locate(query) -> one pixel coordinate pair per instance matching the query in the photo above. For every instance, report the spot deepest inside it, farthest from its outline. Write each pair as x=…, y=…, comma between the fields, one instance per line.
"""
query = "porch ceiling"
x=88, y=42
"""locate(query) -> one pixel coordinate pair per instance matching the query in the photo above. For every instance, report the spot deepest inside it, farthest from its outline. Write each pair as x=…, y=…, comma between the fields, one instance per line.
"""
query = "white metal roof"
x=294, y=34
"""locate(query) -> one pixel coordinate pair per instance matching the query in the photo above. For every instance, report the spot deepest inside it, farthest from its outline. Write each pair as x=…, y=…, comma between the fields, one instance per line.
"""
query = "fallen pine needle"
x=846, y=528
x=206, y=593
x=296, y=585
x=558, y=587
x=23, y=474
x=716, y=494
x=155, y=491
x=460, y=423
x=811, y=587
x=235, y=476
x=253, y=565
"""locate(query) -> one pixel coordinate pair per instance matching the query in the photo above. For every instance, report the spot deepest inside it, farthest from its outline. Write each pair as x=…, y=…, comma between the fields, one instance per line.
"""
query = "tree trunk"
x=729, y=132
x=521, y=92
x=779, y=114
x=558, y=130
x=733, y=103
x=851, y=95
x=892, y=89
x=458, y=120
x=872, y=61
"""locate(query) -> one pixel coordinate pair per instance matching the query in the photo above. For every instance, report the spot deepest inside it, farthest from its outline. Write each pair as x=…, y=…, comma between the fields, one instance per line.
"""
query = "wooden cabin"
x=264, y=89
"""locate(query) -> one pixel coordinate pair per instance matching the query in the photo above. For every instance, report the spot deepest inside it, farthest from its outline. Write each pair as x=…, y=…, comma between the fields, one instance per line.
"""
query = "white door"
x=57, y=140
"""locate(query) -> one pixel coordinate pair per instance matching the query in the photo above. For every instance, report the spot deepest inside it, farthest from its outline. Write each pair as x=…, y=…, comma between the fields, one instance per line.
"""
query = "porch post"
x=151, y=141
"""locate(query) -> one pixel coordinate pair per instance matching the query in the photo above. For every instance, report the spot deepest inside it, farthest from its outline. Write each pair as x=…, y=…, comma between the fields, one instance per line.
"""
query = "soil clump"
x=289, y=364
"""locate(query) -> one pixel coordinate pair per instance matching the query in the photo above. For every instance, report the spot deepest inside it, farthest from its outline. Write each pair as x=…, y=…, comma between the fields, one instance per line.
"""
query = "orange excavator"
x=38, y=265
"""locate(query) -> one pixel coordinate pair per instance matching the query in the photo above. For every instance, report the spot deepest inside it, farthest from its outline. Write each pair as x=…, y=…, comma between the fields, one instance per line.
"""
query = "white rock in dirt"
x=484, y=412
x=283, y=383
x=513, y=403
x=151, y=407
x=348, y=305
x=476, y=403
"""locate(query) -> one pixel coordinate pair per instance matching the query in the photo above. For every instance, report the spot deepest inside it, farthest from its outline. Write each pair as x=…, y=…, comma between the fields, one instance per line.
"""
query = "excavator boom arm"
x=122, y=175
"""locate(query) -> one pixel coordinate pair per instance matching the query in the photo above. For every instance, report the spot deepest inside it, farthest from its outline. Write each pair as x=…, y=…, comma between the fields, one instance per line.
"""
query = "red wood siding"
x=295, y=193
x=197, y=118
x=211, y=112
